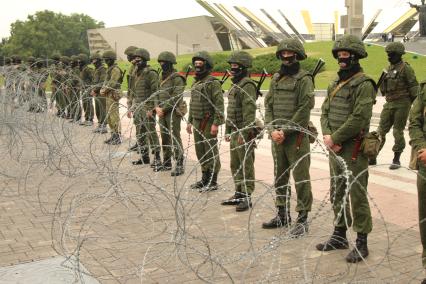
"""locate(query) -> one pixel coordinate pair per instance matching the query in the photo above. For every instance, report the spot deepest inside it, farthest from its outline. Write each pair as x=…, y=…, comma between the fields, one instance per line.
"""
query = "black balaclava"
x=201, y=72
x=167, y=68
x=291, y=65
x=109, y=62
x=352, y=67
x=238, y=73
x=394, y=58
x=141, y=64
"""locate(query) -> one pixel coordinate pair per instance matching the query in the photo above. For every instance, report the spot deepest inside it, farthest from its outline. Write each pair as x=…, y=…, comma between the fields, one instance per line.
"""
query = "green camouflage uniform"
x=86, y=77
x=344, y=116
x=169, y=97
x=140, y=103
x=417, y=130
x=289, y=102
x=99, y=76
x=112, y=87
x=240, y=119
x=400, y=89
x=206, y=107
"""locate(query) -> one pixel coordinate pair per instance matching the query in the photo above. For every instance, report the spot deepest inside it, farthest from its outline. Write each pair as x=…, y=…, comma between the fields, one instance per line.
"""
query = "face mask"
x=236, y=71
x=141, y=64
x=200, y=69
x=166, y=67
x=287, y=70
x=288, y=60
x=129, y=58
x=109, y=62
x=346, y=60
x=394, y=58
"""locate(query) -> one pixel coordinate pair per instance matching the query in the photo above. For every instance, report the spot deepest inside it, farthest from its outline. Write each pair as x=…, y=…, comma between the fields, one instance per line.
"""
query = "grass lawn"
x=373, y=65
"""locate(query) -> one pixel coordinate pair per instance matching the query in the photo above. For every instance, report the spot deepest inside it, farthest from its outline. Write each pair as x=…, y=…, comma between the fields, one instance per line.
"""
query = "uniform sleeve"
x=416, y=126
x=153, y=80
x=361, y=115
x=306, y=102
x=217, y=101
x=113, y=82
x=411, y=81
x=249, y=108
x=176, y=95
x=325, y=108
x=268, y=103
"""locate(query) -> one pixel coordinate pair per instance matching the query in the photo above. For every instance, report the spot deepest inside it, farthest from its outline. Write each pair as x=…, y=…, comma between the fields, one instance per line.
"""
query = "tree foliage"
x=47, y=32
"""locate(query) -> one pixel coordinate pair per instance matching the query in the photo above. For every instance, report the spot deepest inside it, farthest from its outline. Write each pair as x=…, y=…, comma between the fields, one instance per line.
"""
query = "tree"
x=47, y=32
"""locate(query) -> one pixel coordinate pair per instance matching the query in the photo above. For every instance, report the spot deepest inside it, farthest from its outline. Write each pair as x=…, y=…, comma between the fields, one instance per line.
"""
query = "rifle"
x=225, y=77
x=260, y=82
x=382, y=79
x=318, y=67
x=187, y=71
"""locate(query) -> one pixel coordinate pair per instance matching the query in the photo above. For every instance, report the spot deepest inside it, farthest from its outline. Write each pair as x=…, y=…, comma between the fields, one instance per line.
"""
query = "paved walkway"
x=84, y=201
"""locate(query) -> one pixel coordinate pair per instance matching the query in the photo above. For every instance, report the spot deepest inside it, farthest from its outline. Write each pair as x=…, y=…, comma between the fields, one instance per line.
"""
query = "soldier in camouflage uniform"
x=346, y=114
x=400, y=90
x=62, y=93
x=240, y=122
x=417, y=130
x=289, y=103
x=141, y=104
x=206, y=114
x=99, y=76
x=73, y=81
x=130, y=53
x=55, y=83
x=40, y=75
x=86, y=78
x=111, y=90
x=169, y=106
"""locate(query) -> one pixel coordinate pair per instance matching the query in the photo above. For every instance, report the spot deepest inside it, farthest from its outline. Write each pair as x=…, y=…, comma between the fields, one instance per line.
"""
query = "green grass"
x=373, y=65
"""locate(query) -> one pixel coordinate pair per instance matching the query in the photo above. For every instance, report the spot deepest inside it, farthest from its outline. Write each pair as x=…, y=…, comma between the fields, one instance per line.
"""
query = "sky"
x=115, y=13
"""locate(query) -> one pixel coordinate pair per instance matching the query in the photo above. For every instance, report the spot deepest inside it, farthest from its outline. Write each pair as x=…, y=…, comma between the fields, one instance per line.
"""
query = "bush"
x=267, y=61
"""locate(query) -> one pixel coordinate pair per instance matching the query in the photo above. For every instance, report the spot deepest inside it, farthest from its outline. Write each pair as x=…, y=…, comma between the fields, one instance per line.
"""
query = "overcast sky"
x=120, y=13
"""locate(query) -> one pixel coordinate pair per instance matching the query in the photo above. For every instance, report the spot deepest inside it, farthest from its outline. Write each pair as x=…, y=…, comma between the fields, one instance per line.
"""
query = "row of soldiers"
x=345, y=123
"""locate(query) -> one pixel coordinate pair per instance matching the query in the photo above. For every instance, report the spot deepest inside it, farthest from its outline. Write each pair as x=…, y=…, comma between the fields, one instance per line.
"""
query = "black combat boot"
x=244, y=204
x=179, y=168
x=396, y=164
x=337, y=240
x=156, y=164
x=166, y=166
x=360, y=252
x=200, y=184
x=372, y=161
x=211, y=182
x=144, y=160
x=115, y=139
x=283, y=219
x=301, y=227
x=234, y=199
x=108, y=141
x=135, y=147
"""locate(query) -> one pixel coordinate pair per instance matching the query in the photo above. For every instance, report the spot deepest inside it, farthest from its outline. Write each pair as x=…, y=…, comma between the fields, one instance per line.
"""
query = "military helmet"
x=94, y=56
x=31, y=59
x=350, y=43
x=109, y=54
x=142, y=53
x=291, y=44
x=204, y=56
x=64, y=59
x=167, y=56
x=242, y=58
x=395, y=47
x=83, y=58
x=130, y=50
x=7, y=60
